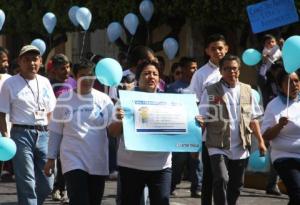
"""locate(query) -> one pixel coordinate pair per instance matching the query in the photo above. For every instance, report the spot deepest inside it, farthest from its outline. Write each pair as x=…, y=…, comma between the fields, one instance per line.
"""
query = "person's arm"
x=272, y=132
x=254, y=125
x=115, y=129
x=53, y=149
x=3, y=124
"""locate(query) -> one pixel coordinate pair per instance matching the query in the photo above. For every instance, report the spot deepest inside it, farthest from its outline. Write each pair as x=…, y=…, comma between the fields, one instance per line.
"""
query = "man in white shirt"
x=215, y=48
x=230, y=116
x=28, y=99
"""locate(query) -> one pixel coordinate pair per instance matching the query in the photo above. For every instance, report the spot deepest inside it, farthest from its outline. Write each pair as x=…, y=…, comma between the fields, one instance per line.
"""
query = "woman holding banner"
x=138, y=169
x=281, y=126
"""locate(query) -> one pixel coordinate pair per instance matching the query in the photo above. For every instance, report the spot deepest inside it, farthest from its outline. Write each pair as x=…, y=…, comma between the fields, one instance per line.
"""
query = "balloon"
x=114, y=31
x=7, y=148
x=257, y=162
x=170, y=47
x=109, y=72
x=40, y=44
x=84, y=17
x=291, y=54
x=256, y=95
x=2, y=18
x=251, y=57
x=131, y=23
x=49, y=21
x=72, y=15
x=146, y=9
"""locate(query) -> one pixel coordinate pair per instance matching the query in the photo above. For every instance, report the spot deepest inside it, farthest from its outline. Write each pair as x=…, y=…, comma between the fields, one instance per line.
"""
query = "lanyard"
x=38, y=91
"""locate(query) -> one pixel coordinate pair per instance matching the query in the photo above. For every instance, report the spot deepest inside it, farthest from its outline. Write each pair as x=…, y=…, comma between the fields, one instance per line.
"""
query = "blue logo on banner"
x=271, y=14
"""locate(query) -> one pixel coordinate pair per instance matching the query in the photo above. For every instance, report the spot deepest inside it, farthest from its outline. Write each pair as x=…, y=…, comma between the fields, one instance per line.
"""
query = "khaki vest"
x=217, y=125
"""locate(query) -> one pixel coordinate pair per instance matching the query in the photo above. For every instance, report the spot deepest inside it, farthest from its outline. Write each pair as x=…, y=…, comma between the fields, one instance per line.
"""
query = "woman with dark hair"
x=281, y=126
x=138, y=169
x=78, y=131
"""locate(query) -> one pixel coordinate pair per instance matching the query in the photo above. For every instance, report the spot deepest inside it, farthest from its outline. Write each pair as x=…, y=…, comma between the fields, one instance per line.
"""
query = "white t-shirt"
x=287, y=143
x=20, y=99
x=203, y=77
x=148, y=161
x=4, y=77
x=232, y=96
x=81, y=121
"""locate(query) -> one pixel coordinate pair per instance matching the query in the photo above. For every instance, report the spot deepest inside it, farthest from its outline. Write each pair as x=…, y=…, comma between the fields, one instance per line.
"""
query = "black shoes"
x=275, y=191
x=196, y=194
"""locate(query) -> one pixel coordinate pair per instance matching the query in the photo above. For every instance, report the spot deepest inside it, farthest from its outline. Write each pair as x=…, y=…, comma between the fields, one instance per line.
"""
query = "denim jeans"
x=228, y=178
x=84, y=188
x=289, y=171
x=133, y=182
x=179, y=160
x=33, y=186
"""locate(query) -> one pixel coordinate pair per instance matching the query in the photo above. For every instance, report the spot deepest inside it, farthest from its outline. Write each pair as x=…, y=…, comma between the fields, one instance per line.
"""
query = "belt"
x=32, y=127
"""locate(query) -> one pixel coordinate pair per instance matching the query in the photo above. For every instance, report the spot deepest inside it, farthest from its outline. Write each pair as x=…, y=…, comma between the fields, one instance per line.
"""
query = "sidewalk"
x=249, y=196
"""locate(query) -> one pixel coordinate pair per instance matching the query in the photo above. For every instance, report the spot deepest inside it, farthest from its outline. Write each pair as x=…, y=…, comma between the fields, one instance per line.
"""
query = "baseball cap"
x=29, y=48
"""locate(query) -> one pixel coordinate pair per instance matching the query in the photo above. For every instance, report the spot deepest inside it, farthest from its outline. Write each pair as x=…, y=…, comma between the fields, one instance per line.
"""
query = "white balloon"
x=170, y=46
x=114, y=31
x=146, y=9
x=49, y=21
x=72, y=15
x=84, y=17
x=40, y=44
x=131, y=23
x=2, y=18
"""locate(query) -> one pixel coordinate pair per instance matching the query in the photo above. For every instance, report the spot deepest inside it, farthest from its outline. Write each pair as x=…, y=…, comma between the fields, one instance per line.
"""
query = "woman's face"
x=85, y=80
x=177, y=73
x=294, y=86
x=149, y=79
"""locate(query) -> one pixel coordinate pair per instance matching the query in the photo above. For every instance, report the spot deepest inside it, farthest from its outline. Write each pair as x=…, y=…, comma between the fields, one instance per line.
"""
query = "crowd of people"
x=68, y=127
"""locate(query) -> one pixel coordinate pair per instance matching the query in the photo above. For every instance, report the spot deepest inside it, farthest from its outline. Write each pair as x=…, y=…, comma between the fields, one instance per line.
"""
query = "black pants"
x=83, y=188
x=207, y=179
x=133, y=182
x=59, y=183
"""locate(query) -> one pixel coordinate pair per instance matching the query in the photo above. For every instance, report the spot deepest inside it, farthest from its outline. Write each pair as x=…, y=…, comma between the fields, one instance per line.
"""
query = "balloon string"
x=288, y=98
x=148, y=34
x=131, y=40
x=50, y=43
x=83, y=40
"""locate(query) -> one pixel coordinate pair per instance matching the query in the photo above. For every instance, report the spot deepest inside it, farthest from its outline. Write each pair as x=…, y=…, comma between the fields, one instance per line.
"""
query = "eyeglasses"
x=234, y=69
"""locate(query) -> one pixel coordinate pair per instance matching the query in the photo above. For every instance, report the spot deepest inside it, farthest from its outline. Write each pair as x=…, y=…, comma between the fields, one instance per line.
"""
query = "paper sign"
x=160, y=122
x=271, y=14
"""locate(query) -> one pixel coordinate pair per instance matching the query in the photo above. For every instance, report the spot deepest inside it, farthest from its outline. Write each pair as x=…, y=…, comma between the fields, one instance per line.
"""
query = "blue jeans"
x=133, y=182
x=289, y=171
x=33, y=186
x=179, y=160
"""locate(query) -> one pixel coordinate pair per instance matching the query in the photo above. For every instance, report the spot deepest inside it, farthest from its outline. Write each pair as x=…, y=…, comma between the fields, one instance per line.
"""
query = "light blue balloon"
x=49, y=21
x=84, y=17
x=170, y=46
x=131, y=23
x=2, y=18
x=109, y=72
x=146, y=9
x=72, y=15
x=40, y=44
x=256, y=95
x=291, y=54
x=8, y=148
x=251, y=57
x=114, y=31
x=258, y=163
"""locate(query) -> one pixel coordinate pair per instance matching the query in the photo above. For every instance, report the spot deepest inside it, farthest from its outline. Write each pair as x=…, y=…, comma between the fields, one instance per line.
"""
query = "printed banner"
x=160, y=122
x=271, y=14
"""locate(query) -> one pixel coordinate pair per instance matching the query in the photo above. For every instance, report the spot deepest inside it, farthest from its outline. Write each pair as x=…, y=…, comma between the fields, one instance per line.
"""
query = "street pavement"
x=248, y=197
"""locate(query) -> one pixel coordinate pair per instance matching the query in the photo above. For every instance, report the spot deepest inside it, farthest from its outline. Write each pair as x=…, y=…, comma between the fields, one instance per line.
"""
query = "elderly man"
x=28, y=99
x=229, y=116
